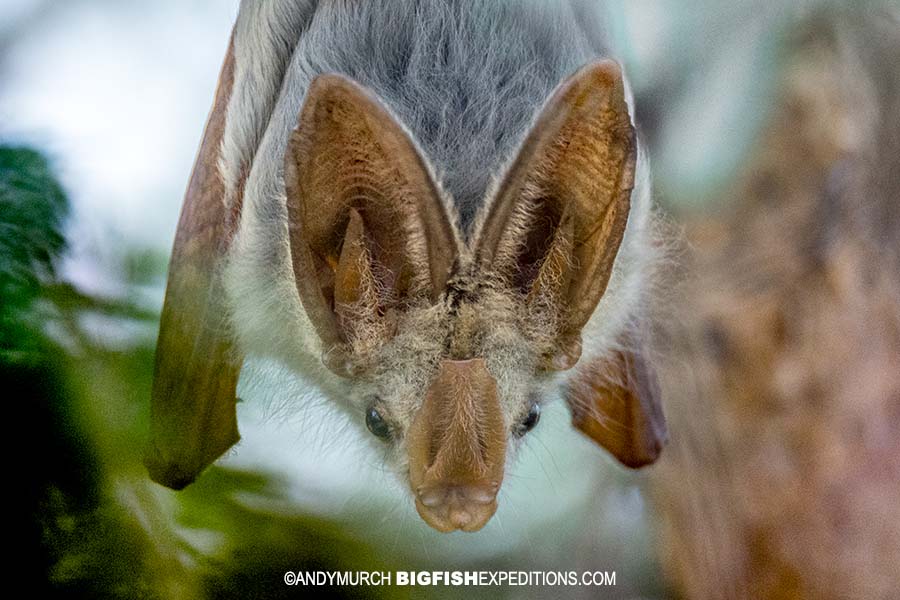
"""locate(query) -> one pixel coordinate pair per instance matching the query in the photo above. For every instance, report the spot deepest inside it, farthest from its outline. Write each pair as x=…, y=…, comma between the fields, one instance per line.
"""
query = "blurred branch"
x=69, y=299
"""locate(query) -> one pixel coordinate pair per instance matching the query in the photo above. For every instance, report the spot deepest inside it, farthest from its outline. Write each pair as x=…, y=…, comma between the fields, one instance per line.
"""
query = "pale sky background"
x=116, y=92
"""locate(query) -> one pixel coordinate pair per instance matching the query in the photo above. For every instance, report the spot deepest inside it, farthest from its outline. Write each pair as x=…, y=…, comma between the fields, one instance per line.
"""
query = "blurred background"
x=775, y=144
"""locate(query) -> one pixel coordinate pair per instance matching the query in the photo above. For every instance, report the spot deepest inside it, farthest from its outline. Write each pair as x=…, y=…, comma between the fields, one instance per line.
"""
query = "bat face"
x=454, y=389
x=446, y=342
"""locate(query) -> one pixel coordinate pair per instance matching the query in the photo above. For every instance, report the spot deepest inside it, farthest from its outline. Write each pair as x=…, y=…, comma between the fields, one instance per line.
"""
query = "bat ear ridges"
x=555, y=225
x=368, y=228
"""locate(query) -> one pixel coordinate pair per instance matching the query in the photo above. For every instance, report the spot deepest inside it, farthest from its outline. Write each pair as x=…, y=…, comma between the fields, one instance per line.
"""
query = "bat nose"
x=451, y=507
x=457, y=448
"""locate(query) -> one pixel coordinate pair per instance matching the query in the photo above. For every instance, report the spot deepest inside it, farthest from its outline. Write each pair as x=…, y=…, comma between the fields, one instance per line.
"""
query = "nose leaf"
x=457, y=448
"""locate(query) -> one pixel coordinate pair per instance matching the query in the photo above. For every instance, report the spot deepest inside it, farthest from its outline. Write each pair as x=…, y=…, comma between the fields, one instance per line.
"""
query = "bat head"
x=446, y=339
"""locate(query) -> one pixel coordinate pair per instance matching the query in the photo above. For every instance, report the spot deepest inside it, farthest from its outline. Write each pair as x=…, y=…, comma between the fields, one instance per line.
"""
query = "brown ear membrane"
x=367, y=226
x=615, y=401
x=556, y=224
x=192, y=411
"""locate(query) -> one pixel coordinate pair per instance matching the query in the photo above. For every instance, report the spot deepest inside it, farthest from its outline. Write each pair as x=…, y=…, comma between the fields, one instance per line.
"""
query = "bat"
x=439, y=216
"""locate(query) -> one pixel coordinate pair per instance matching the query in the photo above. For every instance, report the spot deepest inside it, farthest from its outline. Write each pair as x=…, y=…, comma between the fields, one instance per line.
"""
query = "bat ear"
x=615, y=401
x=368, y=229
x=558, y=218
x=192, y=413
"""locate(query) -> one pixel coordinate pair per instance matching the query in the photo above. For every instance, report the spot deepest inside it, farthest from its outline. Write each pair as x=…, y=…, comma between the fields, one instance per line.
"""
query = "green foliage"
x=97, y=526
x=33, y=208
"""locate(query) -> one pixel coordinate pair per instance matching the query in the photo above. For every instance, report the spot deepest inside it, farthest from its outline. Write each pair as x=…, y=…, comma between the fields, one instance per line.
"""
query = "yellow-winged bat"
x=437, y=214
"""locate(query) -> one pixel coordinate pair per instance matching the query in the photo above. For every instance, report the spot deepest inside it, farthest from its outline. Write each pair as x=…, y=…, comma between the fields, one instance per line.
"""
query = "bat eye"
x=376, y=424
x=530, y=420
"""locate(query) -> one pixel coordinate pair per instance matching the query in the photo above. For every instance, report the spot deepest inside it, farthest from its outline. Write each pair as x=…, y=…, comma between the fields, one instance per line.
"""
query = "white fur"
x=265, y=35
x=625, y=298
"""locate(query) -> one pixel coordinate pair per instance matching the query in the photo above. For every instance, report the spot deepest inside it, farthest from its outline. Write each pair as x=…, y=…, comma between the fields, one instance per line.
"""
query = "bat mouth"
x=448, y=507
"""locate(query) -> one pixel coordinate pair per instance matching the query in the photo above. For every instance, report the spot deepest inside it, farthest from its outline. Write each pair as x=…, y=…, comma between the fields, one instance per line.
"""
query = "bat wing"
x=615, y=401
x=192, y=417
